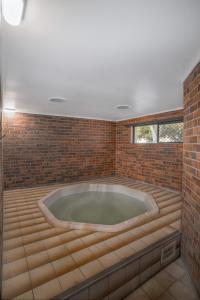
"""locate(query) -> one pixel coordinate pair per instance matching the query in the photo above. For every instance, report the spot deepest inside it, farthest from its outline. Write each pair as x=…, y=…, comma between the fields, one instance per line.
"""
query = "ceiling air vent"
x=57, y=100
x=123, y=106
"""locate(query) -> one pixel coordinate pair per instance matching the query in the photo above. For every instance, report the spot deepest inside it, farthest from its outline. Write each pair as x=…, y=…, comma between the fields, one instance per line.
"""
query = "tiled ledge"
x=121, y=279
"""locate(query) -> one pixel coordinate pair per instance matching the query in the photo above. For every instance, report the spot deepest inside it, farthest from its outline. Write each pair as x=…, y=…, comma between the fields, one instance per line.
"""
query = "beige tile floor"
x=172, y=283
x=41, y=261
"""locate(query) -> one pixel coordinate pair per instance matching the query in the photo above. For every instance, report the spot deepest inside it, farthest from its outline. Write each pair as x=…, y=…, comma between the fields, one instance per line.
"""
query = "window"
x=171, y=132
x=160, y=132
x=146, y=134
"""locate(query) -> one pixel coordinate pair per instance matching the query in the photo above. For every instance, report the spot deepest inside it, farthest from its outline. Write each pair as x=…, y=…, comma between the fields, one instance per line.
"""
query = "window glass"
x=146, y=134
x=169, y=132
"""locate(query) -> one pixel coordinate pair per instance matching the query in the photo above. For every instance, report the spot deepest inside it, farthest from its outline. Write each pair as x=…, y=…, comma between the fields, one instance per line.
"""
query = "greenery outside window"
x=146, y=134
x=159, y=132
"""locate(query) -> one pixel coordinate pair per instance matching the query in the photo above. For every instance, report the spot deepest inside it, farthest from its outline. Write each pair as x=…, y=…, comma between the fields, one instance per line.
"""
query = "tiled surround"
x=159, y=164
x=122, y=279
x=42, y=261
x=191, y=175
x=43, y=149
x=172, y=283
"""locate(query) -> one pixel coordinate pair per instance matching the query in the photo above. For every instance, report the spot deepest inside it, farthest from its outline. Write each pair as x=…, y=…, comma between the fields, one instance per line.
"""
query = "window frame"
x=158, y=123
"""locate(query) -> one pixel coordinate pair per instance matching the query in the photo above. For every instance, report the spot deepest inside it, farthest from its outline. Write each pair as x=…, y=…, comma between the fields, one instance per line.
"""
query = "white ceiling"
x=98, y=54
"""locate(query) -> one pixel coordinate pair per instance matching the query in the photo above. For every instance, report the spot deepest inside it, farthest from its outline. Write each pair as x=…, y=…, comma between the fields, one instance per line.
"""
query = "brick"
x=1, y=190
x=159, y=164
x=191, y=175
x=41, y=149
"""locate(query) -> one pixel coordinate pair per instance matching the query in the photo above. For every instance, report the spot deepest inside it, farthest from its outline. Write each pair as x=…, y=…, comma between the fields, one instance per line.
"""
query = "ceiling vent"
x=57, y=100
x=123, y=106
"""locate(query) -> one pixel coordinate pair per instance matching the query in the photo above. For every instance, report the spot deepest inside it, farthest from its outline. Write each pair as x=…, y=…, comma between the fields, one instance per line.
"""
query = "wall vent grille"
x=168, y=252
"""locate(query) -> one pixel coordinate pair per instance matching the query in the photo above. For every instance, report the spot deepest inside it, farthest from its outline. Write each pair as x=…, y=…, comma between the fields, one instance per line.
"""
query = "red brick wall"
x=159, y=164
x=42, y=149
x=191, y=175
x=1, y=192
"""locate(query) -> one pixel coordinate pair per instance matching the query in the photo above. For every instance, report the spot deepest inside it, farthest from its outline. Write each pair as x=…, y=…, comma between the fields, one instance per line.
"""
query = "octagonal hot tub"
x=98, y=207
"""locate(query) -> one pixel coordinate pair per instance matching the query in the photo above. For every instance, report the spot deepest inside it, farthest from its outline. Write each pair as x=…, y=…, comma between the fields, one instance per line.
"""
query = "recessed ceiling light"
x=13, y=11
x=123, y=106
x=57, y=100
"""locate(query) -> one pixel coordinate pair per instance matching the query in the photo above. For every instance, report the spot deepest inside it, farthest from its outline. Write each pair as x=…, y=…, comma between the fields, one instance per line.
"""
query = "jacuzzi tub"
x=98, y=207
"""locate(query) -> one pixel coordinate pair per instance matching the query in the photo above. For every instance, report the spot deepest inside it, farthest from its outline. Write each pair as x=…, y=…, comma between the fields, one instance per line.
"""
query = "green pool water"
x=107, y=208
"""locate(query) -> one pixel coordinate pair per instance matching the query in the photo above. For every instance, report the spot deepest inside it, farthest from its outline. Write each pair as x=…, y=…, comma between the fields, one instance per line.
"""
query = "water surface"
x=107, y=208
